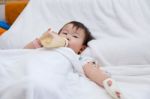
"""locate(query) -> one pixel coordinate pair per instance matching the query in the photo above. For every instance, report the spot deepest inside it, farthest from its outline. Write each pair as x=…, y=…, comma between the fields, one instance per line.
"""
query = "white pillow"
x=121, y=51
x=105, y=19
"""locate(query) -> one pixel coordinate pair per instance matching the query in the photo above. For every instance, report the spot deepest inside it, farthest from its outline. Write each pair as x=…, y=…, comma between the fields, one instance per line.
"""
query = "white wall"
x=2, y=12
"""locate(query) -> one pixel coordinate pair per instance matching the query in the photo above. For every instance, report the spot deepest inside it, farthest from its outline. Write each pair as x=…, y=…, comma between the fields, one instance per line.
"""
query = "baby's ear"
x=82, y=49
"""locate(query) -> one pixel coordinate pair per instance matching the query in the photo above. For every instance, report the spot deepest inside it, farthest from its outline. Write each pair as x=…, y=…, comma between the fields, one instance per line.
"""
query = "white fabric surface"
x=120, y=52
x=122, y=30
x=39, y=74
x=105, y=19
x=43, y=74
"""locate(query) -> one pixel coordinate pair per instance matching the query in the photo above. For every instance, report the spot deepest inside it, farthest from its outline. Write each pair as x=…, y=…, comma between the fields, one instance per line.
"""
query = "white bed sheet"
x=38, y=74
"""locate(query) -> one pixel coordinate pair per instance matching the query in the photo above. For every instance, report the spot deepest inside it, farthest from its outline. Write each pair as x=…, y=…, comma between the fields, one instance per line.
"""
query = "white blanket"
x=44, y=74
x=28, y=74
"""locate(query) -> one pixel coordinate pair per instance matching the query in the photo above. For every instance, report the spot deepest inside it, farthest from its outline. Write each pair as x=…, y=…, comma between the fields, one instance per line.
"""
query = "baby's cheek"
x=74, y=47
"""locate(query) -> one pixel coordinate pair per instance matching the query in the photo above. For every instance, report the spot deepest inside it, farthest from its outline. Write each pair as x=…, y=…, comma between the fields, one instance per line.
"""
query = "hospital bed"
x=122, y=44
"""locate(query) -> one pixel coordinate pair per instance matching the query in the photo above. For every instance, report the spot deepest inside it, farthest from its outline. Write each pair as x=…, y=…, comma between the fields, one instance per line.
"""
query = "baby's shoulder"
x=86, y=58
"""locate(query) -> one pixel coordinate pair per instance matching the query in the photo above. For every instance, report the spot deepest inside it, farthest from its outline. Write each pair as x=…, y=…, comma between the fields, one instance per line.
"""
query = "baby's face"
x=74, y=36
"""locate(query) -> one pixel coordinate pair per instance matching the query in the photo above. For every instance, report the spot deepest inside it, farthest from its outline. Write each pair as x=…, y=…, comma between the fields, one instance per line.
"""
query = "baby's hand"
x=49, y=33
x=91, y=69
x=94, y=73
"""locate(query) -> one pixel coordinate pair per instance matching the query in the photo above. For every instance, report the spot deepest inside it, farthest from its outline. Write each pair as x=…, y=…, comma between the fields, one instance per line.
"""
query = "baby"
x=76, y=35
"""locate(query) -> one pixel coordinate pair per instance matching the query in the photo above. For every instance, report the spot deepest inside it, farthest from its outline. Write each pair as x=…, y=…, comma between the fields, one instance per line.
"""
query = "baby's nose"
x=68, y=38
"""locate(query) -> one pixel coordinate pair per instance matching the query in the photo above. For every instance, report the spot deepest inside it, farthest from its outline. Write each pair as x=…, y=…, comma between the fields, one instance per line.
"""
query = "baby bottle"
x=53, y=40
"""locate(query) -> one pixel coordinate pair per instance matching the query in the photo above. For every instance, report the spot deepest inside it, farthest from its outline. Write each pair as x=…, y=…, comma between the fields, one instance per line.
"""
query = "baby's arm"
x=97, y=75
x=34, y=44
x=94, y=73
x=37, y=43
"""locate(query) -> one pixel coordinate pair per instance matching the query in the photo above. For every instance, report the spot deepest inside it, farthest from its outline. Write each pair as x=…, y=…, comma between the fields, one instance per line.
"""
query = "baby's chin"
x=77, y=52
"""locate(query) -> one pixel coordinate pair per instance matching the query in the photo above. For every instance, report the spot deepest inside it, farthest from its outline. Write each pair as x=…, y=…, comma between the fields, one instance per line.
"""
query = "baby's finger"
x=49, y=31
x=91, y=62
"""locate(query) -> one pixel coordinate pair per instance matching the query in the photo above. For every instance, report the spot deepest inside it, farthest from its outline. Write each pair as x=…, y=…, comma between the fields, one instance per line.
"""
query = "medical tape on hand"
x=112, y=88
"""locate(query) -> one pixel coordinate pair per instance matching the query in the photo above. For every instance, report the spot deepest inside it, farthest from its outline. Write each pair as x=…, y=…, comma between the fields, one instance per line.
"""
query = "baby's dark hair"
x=79, y=25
